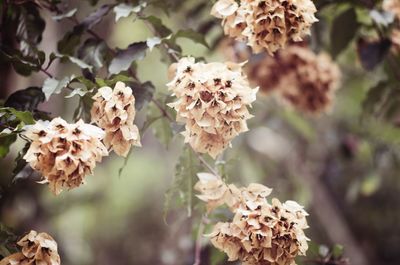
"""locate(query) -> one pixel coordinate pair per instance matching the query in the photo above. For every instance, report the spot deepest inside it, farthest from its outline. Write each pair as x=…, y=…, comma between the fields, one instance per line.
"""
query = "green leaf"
x=93, y=52
x=8, y=241
x=161, y=30
x=5, y=143
x=372, y=53
x=344, y=28
x=123, y=59
x=337, y=251
x=26, y=99
x=125, y=10
x=24, y=116
x=95, y=17
x=53, y=86
x=192, y=35
x=71, y=40
x=183, y=181
x=70, y=13
x=143, y=93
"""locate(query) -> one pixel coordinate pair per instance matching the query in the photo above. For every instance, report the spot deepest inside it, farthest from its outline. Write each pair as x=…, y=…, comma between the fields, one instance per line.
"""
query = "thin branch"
x=199, y=156
x=198, y=247
x=46, y=72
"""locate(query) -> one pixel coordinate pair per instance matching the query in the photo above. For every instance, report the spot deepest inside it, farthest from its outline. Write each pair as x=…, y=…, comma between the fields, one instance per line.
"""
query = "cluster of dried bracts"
x=213, y=101
x=36, y=249
x=261, y=232
x=266, y=25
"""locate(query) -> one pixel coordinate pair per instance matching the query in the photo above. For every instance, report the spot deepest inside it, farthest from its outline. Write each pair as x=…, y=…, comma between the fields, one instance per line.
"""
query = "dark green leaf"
x=70, y=40
x=93, y=52
x=143, y=93
x=344, y=28
x=26, y=99
x=161, y=30
x=124, y=58
x=5, y=143
x=372, y=53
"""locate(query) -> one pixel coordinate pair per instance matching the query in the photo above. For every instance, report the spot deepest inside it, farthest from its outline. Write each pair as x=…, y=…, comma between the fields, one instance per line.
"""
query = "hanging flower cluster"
x=212, y=102
x=64, y=153
x=36, y=249
x=300, y=77
x=268, y=25
x=114, y=112
x=260, y=232
x=392, y=6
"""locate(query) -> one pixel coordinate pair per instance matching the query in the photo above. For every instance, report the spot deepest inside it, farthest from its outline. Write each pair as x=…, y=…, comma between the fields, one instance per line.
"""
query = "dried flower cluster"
x=64, y=153
x=392, y=6
x=260, y=232
x=264, y=24
x=114, y=112
x=300, y=77
x=36, y=249
x=212, y=101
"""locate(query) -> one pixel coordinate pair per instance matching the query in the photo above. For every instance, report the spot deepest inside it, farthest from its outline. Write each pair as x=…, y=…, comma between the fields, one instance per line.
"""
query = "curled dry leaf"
x=212, y=100
x=64, y=153
x=266, y=25
x=114, y=112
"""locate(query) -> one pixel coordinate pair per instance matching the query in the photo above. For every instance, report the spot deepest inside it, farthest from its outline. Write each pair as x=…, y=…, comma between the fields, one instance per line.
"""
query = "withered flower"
x=36, y=249
x=114, y=112
x=64, y=153
x=268, y=25
x=392, y=6
x=260, y=232
x=299, y=77
x=212, y=101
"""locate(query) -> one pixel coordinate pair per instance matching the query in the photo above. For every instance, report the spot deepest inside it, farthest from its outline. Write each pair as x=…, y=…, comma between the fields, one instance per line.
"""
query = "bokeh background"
x=342, y=166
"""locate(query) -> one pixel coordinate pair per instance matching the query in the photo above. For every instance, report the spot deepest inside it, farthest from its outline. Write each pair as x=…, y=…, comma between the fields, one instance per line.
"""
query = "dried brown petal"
x=114, y=111
x=64, y=153
x=212, y=101
x=299, y=77
x=268, y=25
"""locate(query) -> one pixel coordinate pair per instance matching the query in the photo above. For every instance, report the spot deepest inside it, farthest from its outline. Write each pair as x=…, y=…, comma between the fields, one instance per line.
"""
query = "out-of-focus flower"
x=114, y=112
x=234, y=51
x=260, y=232
x=300, y=77
x=395, y=38
x=268, y=25
x=37, y=248
x=64, y=153
x=392, y=6
x=212, y=101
